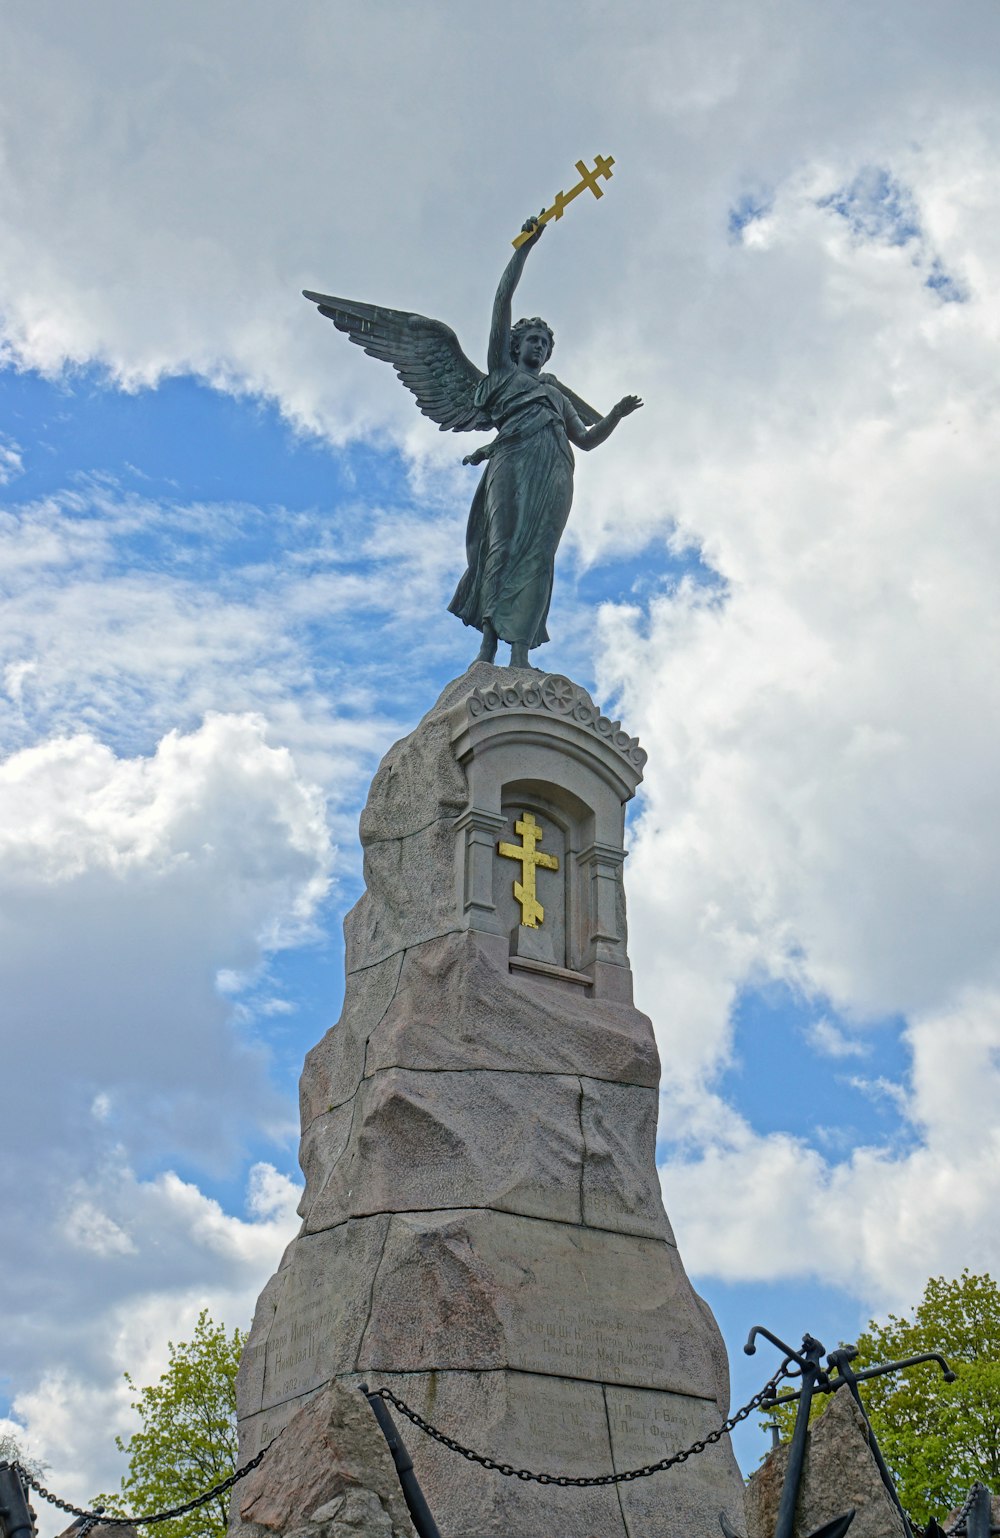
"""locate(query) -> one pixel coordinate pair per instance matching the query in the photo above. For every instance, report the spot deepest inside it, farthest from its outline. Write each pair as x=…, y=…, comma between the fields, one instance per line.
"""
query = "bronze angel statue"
x=524, y=496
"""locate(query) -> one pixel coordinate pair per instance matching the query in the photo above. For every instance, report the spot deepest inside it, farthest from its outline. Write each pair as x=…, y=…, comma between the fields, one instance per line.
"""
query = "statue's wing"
x=588, y=416
x=425, y=354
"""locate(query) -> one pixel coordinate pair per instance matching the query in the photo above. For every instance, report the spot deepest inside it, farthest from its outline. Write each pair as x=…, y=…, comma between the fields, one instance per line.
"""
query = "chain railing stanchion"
x=416, y=1501
x=958, y=1525
x=975, y=1519
x=15, y=1515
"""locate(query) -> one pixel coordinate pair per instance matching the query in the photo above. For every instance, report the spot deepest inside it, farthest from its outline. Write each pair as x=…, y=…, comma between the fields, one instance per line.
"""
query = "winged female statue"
x=524, y=496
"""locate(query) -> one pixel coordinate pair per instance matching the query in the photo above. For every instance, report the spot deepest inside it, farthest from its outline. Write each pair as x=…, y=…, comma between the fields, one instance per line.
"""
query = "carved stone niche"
x=544, y=767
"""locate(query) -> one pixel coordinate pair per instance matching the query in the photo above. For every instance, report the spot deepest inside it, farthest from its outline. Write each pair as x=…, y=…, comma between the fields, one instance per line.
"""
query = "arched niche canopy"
x=540, y=846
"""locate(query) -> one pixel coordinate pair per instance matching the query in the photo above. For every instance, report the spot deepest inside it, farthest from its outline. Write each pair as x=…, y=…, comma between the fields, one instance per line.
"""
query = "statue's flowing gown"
x=520, y=507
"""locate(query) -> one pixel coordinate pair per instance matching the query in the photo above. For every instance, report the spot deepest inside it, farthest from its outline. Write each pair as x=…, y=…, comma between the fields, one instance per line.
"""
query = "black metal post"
x=841, y=1361
x=812, y=1350
x=979, y=1522
x=412, y=1494
x=814, y=1380
x=15, y=1518
x=830, y=1385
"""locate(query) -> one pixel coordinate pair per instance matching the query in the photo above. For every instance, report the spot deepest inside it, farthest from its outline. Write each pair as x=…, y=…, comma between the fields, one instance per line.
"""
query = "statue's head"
x=521, y=329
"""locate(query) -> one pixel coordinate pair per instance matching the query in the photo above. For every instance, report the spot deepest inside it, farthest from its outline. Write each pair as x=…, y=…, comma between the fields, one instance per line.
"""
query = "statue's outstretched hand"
x=627, y=405
x=477, y=456
x=534, y=227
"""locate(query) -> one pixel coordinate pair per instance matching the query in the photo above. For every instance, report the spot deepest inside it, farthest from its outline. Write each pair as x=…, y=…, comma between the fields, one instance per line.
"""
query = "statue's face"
x=534, y=348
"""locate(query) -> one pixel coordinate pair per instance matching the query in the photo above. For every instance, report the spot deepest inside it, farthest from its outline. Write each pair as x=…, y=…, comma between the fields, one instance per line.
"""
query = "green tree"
x=187, y=1441
x=936, y=1437
x=11, y=1451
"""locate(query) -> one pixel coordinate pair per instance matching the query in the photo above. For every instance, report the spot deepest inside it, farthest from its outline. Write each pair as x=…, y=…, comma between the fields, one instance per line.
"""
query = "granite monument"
x=482, y=1225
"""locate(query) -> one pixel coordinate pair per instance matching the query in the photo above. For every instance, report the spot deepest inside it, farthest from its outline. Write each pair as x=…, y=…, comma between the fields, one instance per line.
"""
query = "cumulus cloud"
x=766, y=1206
x=11, y=463
x=107, y=622
x=830, y=1041
x=190, y=224
x=127, y=1300
x=91, y=1229
x=127, y=882
x=796, y=266
x=822, y=802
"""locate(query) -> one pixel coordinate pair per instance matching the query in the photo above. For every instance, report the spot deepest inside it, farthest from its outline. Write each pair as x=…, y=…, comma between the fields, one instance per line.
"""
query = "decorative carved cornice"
x=553, y=694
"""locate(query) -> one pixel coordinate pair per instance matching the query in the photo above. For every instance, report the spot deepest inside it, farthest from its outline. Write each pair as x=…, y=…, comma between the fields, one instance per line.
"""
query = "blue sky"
x=227, y=544
x=264, y=493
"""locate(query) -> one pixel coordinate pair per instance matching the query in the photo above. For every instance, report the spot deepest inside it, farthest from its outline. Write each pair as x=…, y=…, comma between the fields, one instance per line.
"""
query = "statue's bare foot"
x=488, y=651
x=519, y=654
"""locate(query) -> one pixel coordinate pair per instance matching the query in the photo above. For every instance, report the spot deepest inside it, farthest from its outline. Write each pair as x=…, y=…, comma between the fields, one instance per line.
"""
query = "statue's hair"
x=517, y=331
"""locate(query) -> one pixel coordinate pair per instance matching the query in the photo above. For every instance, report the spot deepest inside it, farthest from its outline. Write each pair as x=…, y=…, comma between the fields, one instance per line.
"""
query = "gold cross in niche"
x=532, y=912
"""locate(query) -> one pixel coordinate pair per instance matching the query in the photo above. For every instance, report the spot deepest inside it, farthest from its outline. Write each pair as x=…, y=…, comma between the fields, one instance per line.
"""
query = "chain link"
x=97, y=1518
x=962, y=1518
x=583, y=1481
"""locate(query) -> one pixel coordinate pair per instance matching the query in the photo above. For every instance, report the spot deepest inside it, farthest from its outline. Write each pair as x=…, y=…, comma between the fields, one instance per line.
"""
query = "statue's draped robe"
x=520, y=507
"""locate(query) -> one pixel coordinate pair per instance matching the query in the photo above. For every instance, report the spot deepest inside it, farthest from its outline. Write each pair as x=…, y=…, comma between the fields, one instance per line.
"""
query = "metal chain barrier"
x=963, y=1516
x=97, y=1518
x=583, y=1482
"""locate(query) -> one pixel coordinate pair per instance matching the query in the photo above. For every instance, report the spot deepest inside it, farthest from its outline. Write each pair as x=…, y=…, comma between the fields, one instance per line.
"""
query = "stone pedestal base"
x=559, y=1426
x=482, y=1223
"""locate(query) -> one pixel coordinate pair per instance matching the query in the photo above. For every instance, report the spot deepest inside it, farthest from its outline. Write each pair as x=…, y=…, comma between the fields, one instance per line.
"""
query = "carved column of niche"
x=478, y=830
x=601, y=869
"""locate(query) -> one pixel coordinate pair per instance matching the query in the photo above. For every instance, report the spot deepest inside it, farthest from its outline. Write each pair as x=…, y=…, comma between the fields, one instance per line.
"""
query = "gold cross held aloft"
x=532, y=912
x=602, y=167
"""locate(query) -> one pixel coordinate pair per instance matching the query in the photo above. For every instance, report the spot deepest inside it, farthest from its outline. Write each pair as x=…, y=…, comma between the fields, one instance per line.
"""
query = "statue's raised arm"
x=499, y=355
x=524, y=496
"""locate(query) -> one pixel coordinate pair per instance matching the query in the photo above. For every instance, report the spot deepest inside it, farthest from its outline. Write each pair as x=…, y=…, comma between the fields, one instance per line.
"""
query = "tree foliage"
x=187, y=1441
x=11, y=1451
x=938, y=1438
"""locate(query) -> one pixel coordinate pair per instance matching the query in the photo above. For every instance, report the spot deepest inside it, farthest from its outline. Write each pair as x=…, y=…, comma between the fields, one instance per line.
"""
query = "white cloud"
x=122, y=1323
x=830, y=1041
x=881, y=1090
x=166, y=252
x=90, y=1229
x=11, y=461
x=822, y=806
x=106, y=624
x=884, y=1218
x=821, y=430
x=127, y=884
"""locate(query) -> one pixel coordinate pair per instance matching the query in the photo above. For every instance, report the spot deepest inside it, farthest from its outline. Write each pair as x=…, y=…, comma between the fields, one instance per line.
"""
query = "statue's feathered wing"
x=425, y=354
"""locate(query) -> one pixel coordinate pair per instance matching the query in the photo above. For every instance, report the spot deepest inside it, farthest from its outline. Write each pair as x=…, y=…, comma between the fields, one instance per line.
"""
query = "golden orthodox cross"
x=532, y=912
x=602, y=167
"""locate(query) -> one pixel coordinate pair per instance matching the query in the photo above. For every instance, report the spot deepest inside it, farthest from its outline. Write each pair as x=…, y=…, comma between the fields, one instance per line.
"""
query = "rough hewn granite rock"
x=456, y=1004
x=483, y=1227
x=839, y=1472
x=328, y=1475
